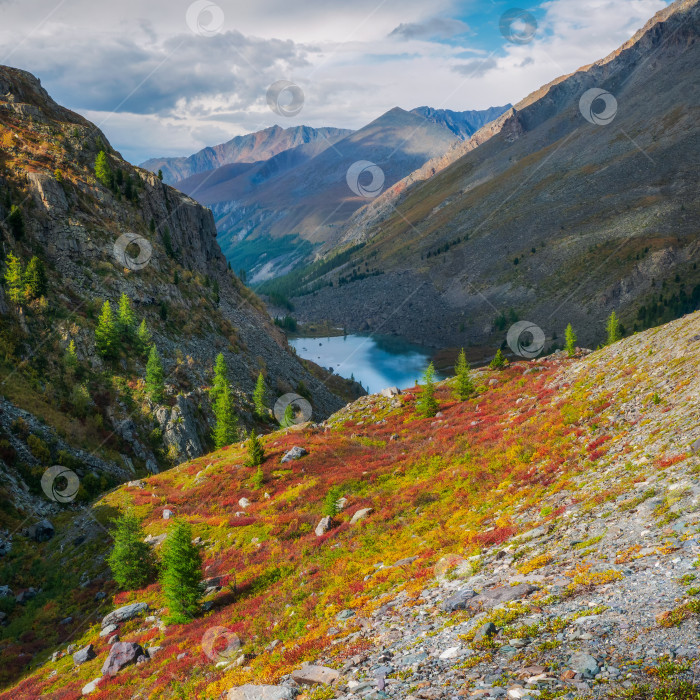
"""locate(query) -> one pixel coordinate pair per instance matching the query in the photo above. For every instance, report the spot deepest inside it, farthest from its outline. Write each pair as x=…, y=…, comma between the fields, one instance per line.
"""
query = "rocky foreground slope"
x=539, y=540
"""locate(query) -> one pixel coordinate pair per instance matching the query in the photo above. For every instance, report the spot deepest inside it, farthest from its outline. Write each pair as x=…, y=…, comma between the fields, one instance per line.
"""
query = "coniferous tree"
x=570, y=341
x=106, y=333
x=15, y=221
x=143, y=336
x=35, y=282
x=260, y=397
x=465, y=385
x=220, y=378
x=160, y=174
x=498, y=361
x=226, y=427
x=613, y=328
x=103, y=170
x=427, y=404
x=14, y=280
x=70, y=358
x=126, y=321
x=256, y=451
x=288, y=417
x=181, y=576
x=131, y=559
x=155, y=386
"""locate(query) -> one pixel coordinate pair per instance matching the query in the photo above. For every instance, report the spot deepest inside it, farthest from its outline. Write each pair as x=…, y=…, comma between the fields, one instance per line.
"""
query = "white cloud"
x=176, y=92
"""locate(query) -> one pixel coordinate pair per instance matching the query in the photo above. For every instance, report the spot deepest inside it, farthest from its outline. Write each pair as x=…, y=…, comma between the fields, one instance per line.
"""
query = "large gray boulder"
x=261, y=692
x=85, y=654
x=315, y=675
x=41, y=531
x=504, y=594
x=293, y=454
x=459, y=600
x=124, y=613
x=122, y=654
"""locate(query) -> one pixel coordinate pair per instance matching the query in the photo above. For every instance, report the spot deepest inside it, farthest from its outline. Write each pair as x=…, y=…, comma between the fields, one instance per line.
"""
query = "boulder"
x=584, y=663
x=315, y=675
x=390, y=391
x=323, y=526
x=695, y=447
x=24, y=596
x=459, y=600
x=243, y=502
x=167, y=514
x=41, y=531
x=6, y=592
x=360, y=515
x=91, y=687
x=486, y=631
x=124, y=613
x=504, y=594
x=109, y=629
x=345, y=615
x=85, y=654
x=260, y=692
x=294, y=453
x=122, y=654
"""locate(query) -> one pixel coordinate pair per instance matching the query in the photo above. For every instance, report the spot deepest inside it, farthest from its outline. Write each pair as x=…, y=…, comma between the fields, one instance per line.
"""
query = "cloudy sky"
x=168, y=77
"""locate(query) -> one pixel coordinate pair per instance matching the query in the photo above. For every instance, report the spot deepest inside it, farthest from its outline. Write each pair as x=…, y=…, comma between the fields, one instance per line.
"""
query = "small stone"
x=260, y=692
x=167, y=514
x=243, y=502
x=459, y=600
x=315, y=675
x=451, y=653
x=345, y=615
x=91, y=687
x=360, y=515
x=323, y=526
x=485, y=631
x=293, y=454
x=584, y=663
x=109, y=629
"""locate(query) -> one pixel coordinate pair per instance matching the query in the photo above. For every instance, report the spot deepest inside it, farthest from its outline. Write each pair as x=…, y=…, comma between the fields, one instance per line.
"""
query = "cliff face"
x=542, y=211
x=53, y=207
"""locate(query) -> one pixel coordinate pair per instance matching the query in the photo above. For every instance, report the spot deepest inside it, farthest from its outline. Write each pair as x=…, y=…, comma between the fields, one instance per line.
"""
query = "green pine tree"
x=330, y=502
x=155, y=386
x=498, y=362
x=131, y=560
x=126, y=321
x=143, y=337
x=220, y=378
x=256, y=451
x=288, y=417
x=427, y=404
x=613, y=328
x=14, y=280
x=35, y=282
x=226, y=426
x=106, y=333
x=465, y=385
x=15, y=221
x=260, y=397
x=181, y=576
x=570, y=341
x=103, y=170
x=70, y=358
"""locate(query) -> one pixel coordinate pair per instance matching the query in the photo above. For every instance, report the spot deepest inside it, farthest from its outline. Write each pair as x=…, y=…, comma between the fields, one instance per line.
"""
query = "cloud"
x=433, y=28
x=155, y=88
x=476, y=67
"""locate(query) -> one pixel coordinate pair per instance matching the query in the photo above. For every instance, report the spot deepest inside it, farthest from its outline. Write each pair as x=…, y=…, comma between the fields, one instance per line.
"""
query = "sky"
x=169, y=77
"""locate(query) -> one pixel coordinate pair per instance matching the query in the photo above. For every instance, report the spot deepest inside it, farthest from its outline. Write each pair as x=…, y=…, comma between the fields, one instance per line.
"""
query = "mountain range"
x=542, y=214
x=271, y=215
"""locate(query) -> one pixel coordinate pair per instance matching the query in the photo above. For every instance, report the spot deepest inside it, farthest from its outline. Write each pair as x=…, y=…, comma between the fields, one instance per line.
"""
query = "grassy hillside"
x=578, y=476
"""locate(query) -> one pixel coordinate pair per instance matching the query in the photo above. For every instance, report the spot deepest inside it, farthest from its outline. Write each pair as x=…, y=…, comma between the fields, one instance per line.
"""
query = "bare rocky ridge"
x=541, y=211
